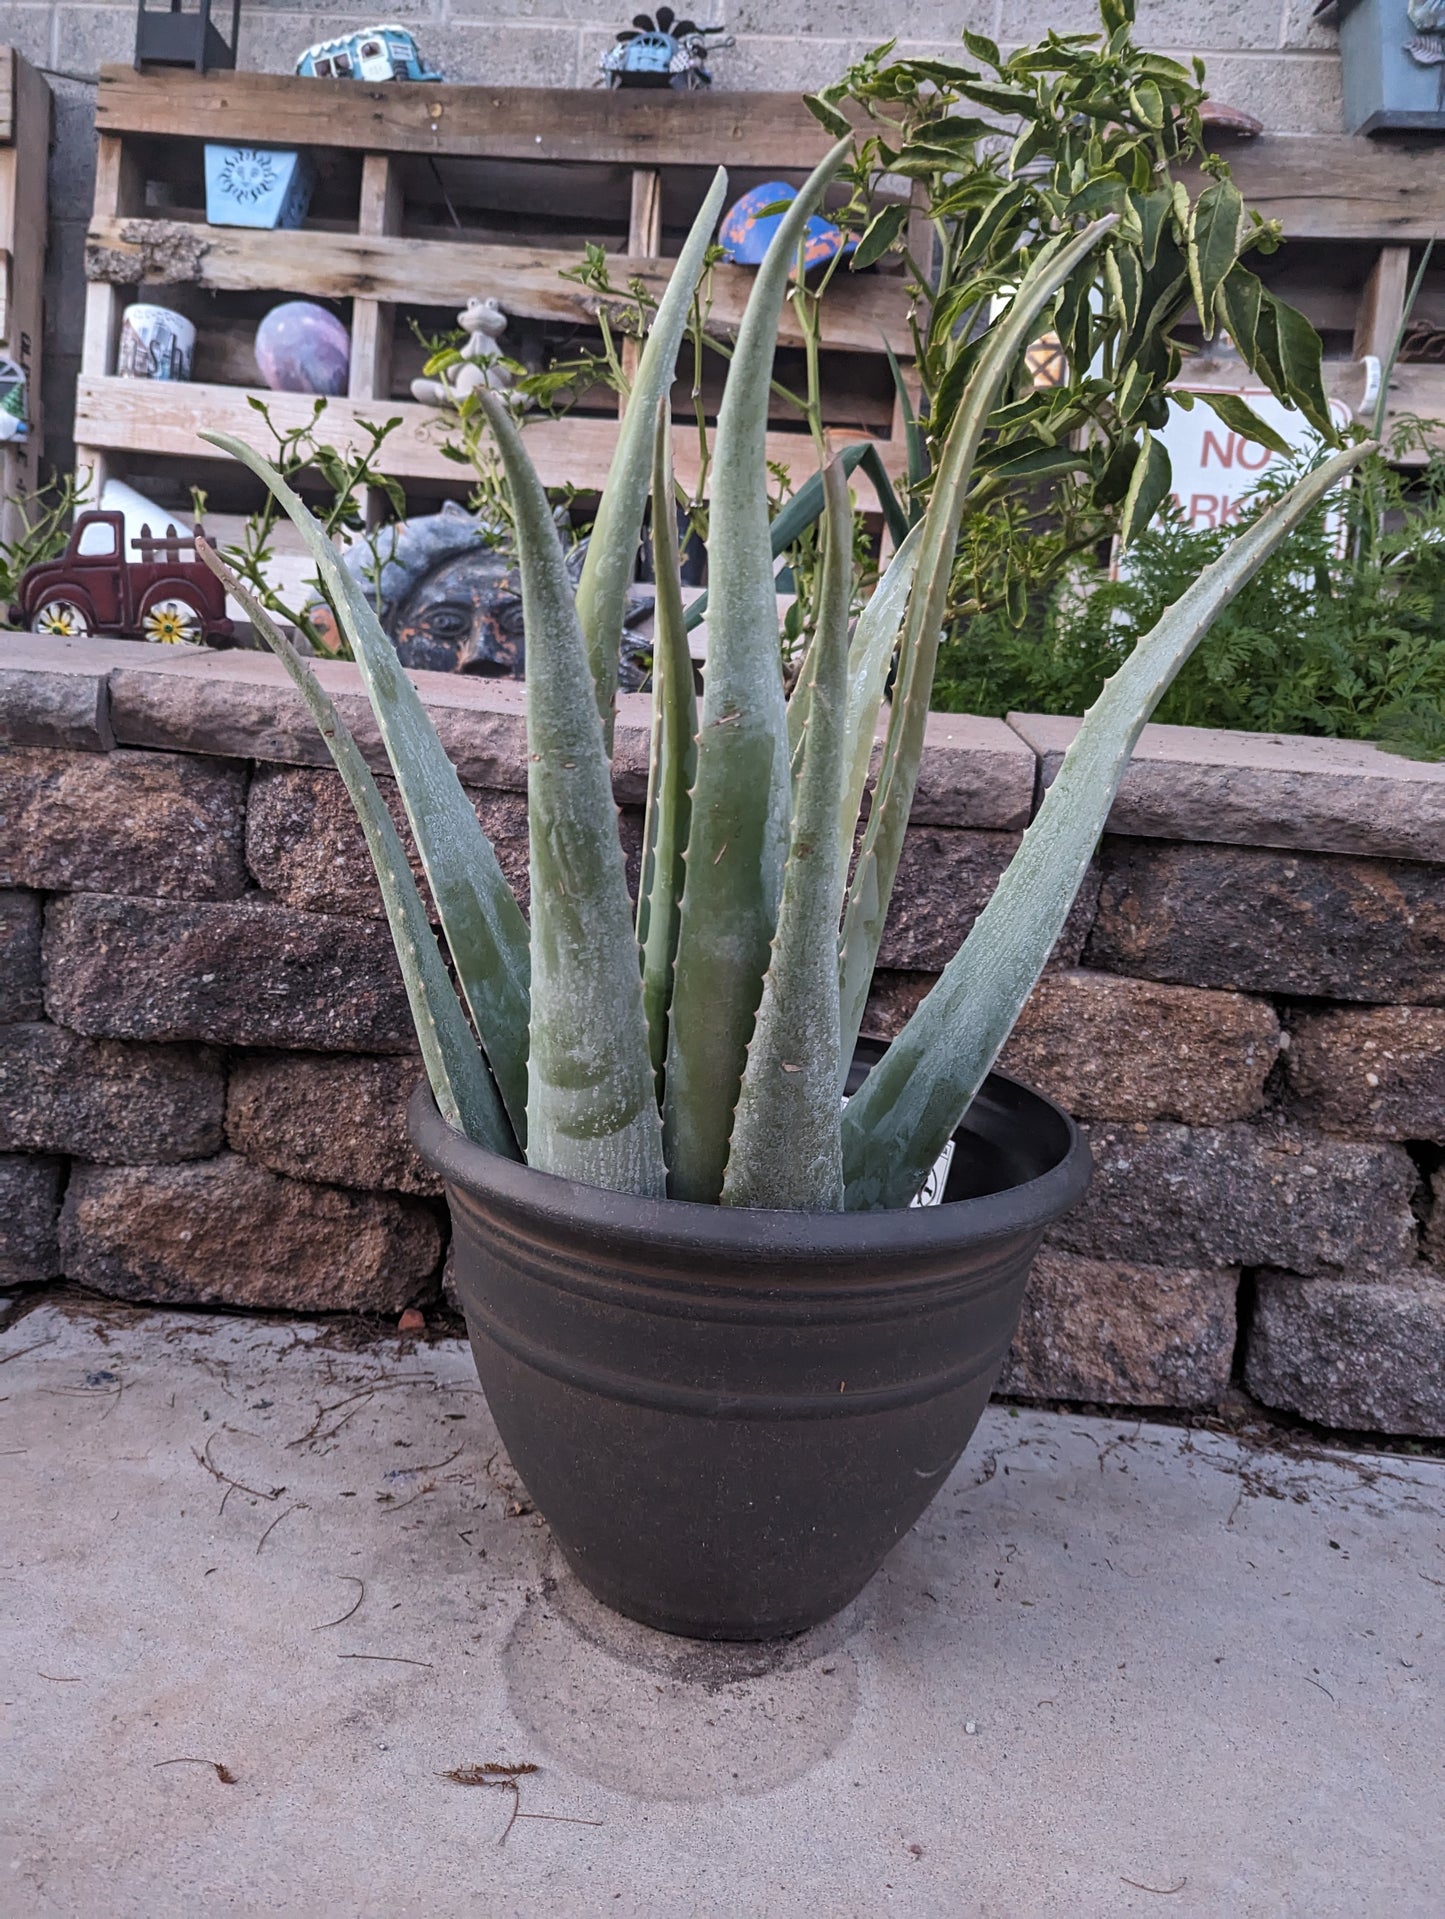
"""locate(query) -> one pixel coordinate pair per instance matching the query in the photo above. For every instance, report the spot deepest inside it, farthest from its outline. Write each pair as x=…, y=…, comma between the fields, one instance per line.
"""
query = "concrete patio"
x=266, y=1588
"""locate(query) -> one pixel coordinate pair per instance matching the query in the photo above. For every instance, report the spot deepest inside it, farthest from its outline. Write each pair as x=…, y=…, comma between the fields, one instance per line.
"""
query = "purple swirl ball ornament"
x=301, y=348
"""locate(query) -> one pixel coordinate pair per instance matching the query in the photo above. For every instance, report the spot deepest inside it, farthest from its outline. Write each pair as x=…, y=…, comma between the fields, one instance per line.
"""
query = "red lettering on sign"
x=1224, y=454
x=1203, y=508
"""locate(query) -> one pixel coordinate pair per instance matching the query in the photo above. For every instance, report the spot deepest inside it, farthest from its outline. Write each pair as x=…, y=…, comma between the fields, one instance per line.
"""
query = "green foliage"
x=731, y=988
x=742, y=798
x=1006, y=152
x=1340, y=634
x=908, y=1106
x=298, y=453
x=44, y=534
x=479, y=915
x=591, y=1094
x=466, y=1095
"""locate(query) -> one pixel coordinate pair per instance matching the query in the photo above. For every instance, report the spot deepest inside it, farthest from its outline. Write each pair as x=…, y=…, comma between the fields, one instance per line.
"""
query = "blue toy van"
x=371, y=53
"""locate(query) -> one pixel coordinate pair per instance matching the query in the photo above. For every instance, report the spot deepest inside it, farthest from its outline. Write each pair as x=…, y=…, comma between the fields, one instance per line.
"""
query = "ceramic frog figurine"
x=484, y=323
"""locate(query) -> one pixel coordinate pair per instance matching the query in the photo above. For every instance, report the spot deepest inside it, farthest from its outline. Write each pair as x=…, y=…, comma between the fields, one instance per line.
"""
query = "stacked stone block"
x=205, y=1053
x=146, y=1151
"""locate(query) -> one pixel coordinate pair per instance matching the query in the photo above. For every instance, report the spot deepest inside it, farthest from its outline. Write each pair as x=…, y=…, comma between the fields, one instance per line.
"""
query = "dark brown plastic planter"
x=728, y=1417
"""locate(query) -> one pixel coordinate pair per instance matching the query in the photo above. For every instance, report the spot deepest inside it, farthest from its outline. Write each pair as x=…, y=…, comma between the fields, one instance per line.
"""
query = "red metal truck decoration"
x=94, y=588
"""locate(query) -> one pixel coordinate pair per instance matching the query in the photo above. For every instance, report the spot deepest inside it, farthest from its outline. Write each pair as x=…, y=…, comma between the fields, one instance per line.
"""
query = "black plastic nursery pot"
x=728, y=1416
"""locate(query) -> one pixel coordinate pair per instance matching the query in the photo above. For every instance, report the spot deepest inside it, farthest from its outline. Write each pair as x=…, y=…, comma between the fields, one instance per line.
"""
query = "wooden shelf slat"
x=1341, y=186
x=859, y=312
x=1321, y=186
x=593, y=125
x=164, y=418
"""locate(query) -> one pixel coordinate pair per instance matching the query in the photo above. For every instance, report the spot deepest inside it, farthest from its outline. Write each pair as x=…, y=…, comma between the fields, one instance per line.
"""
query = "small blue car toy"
x=665, y=52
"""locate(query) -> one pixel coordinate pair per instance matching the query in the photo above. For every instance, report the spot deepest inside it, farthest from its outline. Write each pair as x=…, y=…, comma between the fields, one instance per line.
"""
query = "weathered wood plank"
x=1382, y=305
x=153, y=417
x=22, y=252
x=371, y=319
x=859, y=311
x=1337, y=187
x=630, y=127
x=1319, y=185
x=7, y=95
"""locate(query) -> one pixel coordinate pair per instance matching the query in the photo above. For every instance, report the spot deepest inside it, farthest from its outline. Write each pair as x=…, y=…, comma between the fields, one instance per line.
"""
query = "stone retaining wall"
x=205, y=1051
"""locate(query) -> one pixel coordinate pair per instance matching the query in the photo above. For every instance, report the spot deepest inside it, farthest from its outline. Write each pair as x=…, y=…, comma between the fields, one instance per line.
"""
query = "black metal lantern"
x=180, y=36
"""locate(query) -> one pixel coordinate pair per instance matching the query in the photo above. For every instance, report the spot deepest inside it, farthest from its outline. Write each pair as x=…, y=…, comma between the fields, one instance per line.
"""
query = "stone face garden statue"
x=447, y=590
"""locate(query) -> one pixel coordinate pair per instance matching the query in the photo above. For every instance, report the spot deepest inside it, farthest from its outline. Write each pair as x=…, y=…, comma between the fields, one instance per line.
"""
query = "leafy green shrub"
x=698, y=1052
x=1341, y=633
x=45, y=517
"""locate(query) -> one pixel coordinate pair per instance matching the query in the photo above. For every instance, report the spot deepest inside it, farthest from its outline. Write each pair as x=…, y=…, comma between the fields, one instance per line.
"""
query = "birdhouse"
x=1392, y=57
x=177, y=35
x=257, y=186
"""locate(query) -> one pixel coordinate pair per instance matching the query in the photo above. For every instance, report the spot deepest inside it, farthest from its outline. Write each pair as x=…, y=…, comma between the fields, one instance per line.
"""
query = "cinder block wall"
x=1266, y=56
x=205, y=1051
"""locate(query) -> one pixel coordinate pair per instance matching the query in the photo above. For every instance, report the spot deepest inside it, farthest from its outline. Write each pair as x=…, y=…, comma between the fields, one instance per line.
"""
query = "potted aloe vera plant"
x=729, y=1358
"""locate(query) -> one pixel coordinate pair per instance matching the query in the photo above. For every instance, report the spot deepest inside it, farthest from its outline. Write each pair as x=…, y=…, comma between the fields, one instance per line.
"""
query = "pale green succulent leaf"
x=786, y=1148
x=591, y=1097
x=479, y=914
x=882, y=847
x=612, y=549
x=898, y=1123
x=875, y=641
x=465, y=1094
x=672, y=761
x=742, y=799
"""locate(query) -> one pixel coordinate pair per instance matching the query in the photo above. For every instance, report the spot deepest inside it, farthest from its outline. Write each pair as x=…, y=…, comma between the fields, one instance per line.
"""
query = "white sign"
x=1215, y=469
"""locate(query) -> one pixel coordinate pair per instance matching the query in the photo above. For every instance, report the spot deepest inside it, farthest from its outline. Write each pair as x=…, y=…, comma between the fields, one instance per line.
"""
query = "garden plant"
x=600, y=1071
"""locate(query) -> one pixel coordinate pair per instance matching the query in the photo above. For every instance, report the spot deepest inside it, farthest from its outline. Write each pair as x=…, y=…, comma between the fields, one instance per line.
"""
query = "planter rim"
x=762, y=1234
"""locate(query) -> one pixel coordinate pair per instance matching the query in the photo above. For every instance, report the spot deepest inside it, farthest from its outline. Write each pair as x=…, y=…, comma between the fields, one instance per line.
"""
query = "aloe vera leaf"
x=612, y=550
x=480, y=918
x=797, y=514
x=875, y=638
x=465, y=1094
x=672, y=762
x=742, y=798
x=877, y=866
x=798, y=701
x=912, y=432
x=897, y=1124
x=895, y=516
x=591, y=1098
x=786, y=1147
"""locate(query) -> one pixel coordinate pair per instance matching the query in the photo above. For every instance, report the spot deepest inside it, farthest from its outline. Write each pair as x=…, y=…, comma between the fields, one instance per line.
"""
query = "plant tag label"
x=930, y=1193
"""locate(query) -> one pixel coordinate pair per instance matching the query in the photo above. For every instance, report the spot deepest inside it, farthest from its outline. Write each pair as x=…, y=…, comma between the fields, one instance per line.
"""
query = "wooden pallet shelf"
x=149, y=417
x=24, y=152
x=537, y=173
x=595, y=126
x=626, y=170
x=322, y=265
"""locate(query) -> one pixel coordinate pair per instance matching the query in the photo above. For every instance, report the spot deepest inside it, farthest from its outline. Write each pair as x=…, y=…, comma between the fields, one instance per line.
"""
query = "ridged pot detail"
x=728, y=1416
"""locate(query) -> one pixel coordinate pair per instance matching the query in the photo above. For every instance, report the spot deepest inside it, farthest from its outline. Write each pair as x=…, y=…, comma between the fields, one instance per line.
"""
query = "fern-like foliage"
x=1341, y=634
